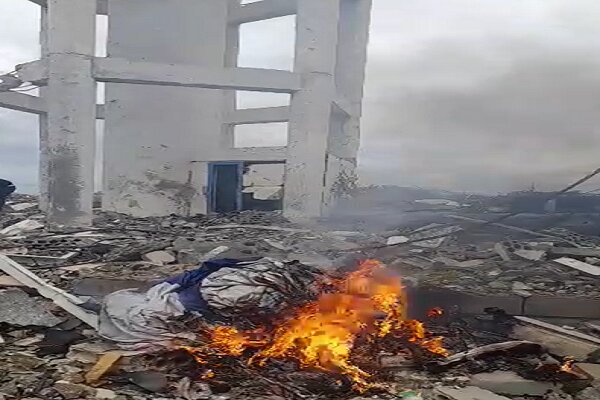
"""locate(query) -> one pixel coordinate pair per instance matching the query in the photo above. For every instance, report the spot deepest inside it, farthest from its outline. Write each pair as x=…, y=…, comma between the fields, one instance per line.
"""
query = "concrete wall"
x=154, y=133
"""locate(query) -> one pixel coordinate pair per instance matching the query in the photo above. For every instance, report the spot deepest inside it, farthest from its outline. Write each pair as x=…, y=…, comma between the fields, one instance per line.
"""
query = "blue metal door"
x=225, y=186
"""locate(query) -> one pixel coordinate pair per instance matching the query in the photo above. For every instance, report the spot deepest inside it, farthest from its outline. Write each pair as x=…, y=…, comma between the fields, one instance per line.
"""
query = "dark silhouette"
x=6, y=188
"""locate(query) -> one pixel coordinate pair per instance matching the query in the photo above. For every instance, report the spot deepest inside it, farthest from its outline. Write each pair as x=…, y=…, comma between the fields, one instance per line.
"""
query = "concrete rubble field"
x=250, y=306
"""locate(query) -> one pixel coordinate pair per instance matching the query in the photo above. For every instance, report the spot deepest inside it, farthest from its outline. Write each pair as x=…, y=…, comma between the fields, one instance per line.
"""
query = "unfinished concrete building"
x=170, y=113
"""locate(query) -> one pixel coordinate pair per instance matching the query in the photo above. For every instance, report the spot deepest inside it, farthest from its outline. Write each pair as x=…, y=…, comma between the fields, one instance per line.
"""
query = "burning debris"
x=248, y=305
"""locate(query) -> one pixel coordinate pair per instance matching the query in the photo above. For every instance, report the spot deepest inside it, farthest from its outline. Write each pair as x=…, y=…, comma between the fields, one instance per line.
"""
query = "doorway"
x=225, y=186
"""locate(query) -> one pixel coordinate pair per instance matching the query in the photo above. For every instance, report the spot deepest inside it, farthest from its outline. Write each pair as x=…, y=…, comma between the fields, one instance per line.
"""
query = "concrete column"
x=43, y=177
x=355, y=18
x=71, y=95
x=344, y=139
x=311, y=107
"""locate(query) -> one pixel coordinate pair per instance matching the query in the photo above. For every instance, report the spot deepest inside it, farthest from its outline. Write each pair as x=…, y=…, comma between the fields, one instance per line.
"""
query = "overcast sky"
x=476, y=95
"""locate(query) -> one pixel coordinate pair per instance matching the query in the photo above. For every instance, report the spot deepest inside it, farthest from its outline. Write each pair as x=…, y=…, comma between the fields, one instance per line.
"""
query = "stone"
x=159, y=257
x=533, y=255
x=592, y=370
x=22, y=206
x=71, y=390
x=590, y=393
x=188, y=257
x=152, y=381
x=468, y=393
x=9, y=281
x=509, y=383
x=396, y=240
x=105, y=394
x=19, y=309
x=100, y=287
x=26, y=225
x=520, y=286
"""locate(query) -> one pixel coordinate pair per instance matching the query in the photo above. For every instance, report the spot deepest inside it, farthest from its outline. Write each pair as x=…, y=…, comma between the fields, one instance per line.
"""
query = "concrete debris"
x=467, y=393
x=579, y=265
x=593, y=370
x=396, y=239
x=159, y=257
x=518, y=269
x=23, y=206
x=509, y=383
x=20, y=227
x=20, y=309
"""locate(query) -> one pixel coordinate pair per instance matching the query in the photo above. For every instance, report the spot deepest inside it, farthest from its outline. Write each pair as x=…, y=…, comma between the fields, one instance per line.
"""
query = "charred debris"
x=452, y=302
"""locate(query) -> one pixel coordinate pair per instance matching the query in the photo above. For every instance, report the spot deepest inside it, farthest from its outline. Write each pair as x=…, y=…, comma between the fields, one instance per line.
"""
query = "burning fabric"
x=365, y=306
x=218, y=290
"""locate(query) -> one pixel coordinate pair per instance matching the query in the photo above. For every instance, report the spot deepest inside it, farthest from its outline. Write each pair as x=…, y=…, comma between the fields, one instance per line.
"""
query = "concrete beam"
x=258, y=116
x=22, y=102
x=101, y=5
x=117, y=70
x=262, y=10
x=275, y=153
x=311, y=108
x=35, y=72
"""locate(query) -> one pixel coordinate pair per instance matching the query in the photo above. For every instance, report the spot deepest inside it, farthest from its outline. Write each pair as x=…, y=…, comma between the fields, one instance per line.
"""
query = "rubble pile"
x=57, y=281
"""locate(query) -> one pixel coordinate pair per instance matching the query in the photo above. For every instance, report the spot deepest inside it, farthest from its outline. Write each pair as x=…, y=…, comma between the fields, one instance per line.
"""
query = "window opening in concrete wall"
x=101, y=51
x=262, y=186
x=260, y=48
x=247, y=99
x=260, y=135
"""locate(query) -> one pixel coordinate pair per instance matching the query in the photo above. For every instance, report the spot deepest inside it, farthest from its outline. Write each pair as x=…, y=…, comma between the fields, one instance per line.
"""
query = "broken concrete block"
x=396, y=240
x=27, y=225
x=502, y=252
x=520, y=286
x=159, y=257
x=468, y=393
x=18, y=308
x=509, y=383
x=188, y=257
x=592, y=370
x=71, y=390
x=105, y=394
x=9, y=281
x=559, y=344
x=22, y=206
x=533, y=255
x=586, y=268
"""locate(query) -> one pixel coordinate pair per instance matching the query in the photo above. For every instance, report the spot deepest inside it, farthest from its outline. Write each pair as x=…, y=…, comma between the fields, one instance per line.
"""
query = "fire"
x=435, y=312
x=321, y=335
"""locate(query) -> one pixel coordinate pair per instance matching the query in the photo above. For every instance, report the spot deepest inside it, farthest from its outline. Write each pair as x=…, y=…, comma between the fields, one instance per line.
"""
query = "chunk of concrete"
x=586, y=268
x=592, y=370
x=468, y=393
x=26, y=225
x=396, y=240
x=18, y=308
x=159, y=257
x=509, y=383
x=22, y=206
x=533, y=255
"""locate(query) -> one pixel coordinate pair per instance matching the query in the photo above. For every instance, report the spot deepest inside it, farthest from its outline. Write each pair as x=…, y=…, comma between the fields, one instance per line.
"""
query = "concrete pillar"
x=43, y=177
x=311, y=108
x=72, y=111
x=355, y=18
x=344, y=139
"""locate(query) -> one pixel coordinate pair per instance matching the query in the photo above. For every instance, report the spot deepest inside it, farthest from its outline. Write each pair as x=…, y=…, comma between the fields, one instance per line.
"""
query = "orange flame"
x=322, y=334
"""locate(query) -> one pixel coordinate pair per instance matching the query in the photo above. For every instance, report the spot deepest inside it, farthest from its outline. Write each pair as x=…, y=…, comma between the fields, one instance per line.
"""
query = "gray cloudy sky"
x=478, y=95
